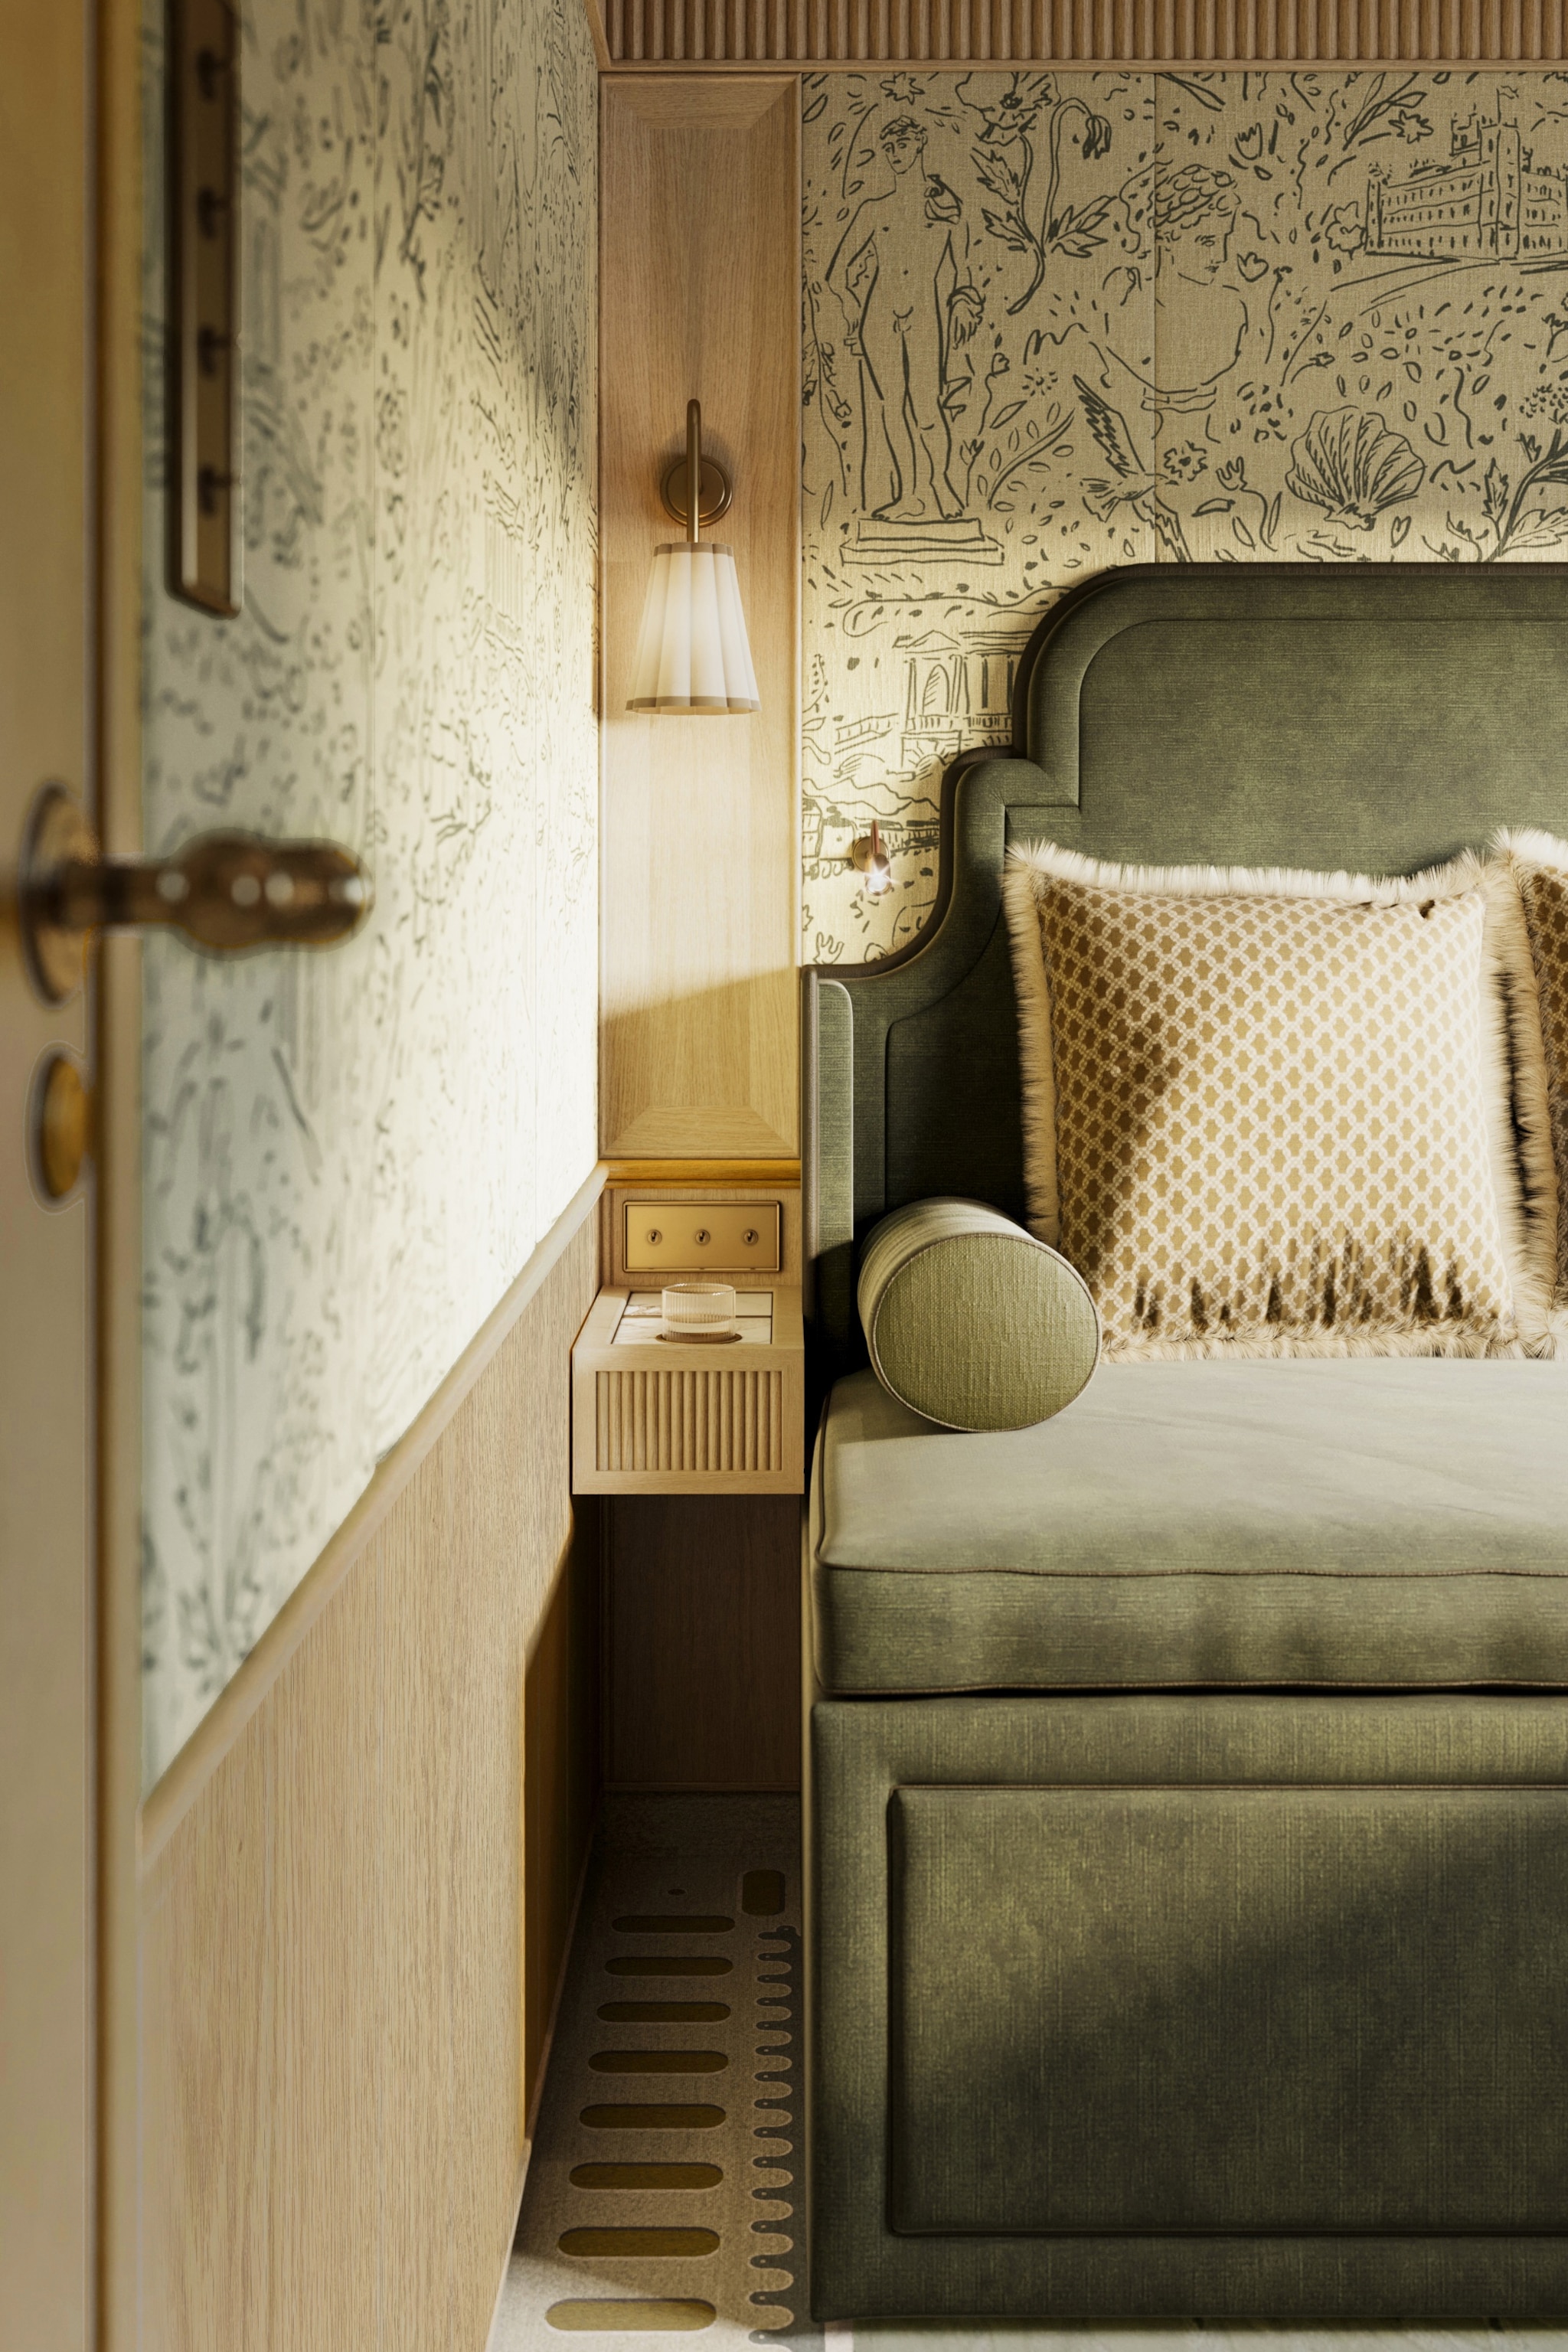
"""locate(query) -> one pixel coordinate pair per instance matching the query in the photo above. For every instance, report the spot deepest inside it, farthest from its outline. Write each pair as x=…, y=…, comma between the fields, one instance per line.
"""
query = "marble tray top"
x=643, y=1318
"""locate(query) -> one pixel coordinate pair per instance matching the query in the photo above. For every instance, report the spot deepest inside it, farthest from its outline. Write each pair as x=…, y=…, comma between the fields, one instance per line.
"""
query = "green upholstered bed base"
x=1371, y=2117
x=1177, y=2001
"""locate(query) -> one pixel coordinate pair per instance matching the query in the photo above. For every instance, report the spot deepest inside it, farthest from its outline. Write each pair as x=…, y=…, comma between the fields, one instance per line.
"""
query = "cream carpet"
x=660, y=2193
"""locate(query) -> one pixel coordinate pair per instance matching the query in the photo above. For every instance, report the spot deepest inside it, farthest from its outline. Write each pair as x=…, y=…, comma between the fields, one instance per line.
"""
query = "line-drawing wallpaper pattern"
x=349, y=1157
x=1054, y=323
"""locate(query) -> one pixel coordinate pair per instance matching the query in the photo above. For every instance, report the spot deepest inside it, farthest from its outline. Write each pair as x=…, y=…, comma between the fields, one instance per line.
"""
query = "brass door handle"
x=225, y=892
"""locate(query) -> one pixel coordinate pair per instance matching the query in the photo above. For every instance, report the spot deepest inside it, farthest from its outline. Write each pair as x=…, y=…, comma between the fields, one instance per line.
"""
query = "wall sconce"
x=692, y=654
x=868, y=858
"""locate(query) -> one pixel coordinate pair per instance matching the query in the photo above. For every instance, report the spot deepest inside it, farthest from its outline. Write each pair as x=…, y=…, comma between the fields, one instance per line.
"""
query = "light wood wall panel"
x=354, y=1928
x=682, y=33
x=700, y=198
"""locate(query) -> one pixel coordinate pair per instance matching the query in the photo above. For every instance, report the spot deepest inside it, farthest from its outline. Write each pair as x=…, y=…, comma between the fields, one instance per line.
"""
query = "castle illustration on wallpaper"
x=1491, y=198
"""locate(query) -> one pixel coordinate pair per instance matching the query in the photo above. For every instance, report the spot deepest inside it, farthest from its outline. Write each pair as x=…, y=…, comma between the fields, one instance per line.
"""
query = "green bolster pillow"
x=970, y=1320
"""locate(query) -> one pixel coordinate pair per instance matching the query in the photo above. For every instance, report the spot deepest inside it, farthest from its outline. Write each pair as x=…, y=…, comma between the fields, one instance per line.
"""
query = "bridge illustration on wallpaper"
x=957, y=696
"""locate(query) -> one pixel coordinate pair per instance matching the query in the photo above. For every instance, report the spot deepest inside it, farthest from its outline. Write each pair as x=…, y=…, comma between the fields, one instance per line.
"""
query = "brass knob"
x=61, y=1126
x=226, y=892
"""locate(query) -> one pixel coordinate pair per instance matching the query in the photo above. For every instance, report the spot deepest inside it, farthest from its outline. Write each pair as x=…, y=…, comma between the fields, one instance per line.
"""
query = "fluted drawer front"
x=678, y=1419
x=652, y=1420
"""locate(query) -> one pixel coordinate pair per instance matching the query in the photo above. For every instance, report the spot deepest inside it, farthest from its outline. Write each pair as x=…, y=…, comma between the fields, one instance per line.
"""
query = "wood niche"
x=699, y=244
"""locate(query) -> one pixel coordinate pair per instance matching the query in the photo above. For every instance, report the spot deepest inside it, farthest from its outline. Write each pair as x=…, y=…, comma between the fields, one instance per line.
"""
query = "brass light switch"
x=701, y=1236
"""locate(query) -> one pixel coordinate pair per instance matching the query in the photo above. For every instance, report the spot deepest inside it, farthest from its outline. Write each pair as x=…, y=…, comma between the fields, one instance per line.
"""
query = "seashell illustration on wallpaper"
x=1351, y=466
x=1054, y=323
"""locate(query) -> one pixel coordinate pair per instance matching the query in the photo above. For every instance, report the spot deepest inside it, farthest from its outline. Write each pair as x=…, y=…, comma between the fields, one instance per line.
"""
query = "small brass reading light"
x=868, y=858
x=692, y=654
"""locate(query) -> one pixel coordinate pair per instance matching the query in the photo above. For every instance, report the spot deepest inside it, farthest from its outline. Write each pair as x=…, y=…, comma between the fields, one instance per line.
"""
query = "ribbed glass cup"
x=699, y=1310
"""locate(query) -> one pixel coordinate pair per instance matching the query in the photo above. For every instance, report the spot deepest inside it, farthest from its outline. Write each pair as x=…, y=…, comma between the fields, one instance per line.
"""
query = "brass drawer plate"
x=701, y=1236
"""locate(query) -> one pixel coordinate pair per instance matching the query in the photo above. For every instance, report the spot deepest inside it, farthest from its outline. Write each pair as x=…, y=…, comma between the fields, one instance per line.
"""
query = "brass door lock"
x=225, y=892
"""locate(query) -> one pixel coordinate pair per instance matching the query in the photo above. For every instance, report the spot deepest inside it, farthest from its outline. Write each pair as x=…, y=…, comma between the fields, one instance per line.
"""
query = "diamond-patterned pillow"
x=1268, y=1113
x=1539, y=863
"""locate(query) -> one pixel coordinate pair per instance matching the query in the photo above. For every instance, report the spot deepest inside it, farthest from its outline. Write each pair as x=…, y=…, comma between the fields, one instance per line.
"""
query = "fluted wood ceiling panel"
x=1082, y=32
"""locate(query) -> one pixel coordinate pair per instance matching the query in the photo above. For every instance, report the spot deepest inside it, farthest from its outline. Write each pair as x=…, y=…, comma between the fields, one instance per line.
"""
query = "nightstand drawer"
x=655, y=1417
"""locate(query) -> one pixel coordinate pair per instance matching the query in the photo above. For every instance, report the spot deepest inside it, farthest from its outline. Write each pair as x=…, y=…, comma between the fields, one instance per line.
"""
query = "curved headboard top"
x=1369, y=716
x=1375, y=716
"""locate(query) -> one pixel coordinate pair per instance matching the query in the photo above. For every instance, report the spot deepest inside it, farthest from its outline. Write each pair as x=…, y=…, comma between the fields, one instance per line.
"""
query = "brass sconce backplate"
x=714, y=500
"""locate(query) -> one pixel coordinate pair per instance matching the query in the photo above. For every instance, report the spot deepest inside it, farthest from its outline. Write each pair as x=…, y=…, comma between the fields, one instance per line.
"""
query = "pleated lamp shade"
x=692, y=654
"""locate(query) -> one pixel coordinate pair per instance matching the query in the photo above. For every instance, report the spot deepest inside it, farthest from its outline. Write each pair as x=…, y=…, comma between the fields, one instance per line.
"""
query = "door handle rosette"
x=225, y=892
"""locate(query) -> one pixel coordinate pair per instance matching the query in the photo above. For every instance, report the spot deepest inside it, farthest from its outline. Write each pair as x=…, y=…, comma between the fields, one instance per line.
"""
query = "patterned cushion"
x=1539, y=863
x=1268, y=1113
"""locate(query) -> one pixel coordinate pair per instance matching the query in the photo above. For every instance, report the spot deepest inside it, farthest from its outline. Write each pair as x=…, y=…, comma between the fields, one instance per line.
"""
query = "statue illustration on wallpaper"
x=1200, y=328
x=901, y=275
x=1200, y=318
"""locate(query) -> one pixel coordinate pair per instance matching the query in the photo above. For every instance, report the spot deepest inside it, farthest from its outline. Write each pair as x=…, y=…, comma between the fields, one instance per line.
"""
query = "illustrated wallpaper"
x=348, y=1157
x=1056, y=323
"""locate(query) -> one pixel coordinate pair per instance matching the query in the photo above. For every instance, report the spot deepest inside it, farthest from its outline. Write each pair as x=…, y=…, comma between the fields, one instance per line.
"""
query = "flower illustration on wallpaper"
x=1232, y=480
x=1010, y=112
x=1520, y=517
x=1005, y=164
x=1342, y=229
x=1348, y=463
x=1374, y=107
x=900, y=275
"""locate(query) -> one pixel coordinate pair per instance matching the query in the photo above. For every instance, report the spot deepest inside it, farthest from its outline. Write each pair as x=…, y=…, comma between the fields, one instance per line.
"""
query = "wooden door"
x=47, y=1858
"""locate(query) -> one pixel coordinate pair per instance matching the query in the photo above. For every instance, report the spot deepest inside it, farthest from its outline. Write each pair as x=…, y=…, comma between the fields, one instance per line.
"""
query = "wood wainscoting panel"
x=209, y=2073
x=700, y=299
x=702, y=1642
x=326, y=1914
x=353, y=1932
x=561, y=1726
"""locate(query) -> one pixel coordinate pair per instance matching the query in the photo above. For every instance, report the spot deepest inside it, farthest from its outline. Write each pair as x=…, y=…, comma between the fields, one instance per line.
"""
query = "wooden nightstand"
x=653, y=1417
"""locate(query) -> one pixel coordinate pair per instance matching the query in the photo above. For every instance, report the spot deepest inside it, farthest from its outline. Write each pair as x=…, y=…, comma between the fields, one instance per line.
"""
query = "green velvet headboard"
x=1375, y=716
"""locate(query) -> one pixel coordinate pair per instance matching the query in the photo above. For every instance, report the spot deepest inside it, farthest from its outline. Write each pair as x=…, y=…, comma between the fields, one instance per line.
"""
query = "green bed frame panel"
x=1253, y=2009
x=937, y=2186
x=1378, y=717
